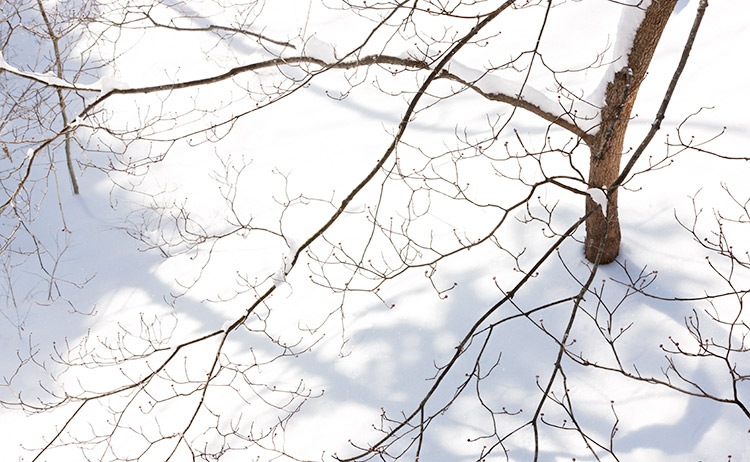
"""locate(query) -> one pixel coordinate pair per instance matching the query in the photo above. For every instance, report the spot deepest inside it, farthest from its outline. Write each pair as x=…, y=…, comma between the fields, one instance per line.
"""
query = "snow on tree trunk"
x=607, y=148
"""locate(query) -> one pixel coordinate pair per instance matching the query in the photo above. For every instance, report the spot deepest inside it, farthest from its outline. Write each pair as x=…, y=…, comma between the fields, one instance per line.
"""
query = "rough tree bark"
x=608, y=142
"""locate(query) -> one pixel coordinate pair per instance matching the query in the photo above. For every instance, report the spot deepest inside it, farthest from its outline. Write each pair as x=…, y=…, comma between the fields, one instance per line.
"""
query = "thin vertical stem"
x=60, y=96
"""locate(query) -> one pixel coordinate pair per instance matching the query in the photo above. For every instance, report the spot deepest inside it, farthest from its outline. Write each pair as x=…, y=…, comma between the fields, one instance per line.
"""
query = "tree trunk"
x=608, y=142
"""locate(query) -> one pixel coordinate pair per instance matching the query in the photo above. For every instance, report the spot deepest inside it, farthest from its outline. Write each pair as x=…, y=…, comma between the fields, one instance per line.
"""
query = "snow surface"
x=361, y=347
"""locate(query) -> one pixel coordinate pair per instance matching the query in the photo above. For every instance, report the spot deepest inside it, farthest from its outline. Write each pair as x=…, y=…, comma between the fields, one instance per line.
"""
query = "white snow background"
x=284, y=163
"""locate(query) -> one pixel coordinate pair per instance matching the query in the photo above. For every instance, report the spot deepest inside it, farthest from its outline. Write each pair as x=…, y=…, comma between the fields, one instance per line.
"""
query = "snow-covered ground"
x=193, y=249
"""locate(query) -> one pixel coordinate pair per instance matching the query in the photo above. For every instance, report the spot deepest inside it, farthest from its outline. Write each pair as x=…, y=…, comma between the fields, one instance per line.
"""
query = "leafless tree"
x=150, y=391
